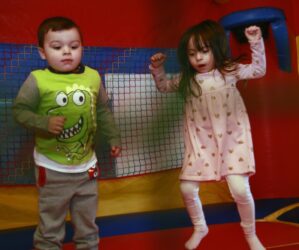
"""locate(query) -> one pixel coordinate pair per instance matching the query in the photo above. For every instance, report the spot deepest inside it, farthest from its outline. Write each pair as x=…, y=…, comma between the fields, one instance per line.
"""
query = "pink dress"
x=217, y=133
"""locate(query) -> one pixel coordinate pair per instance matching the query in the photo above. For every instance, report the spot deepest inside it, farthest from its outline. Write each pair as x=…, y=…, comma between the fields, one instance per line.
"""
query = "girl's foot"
x=254, y=243
x=196, y=237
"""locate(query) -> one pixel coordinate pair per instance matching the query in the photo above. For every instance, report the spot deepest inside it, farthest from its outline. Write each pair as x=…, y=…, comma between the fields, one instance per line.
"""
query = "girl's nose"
x=198, y=56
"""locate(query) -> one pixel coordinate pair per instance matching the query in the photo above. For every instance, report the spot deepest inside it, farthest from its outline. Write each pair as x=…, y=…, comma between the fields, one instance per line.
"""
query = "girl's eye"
x=56, y=47
x=191, y=54
x=205, y=50
x=75, y=47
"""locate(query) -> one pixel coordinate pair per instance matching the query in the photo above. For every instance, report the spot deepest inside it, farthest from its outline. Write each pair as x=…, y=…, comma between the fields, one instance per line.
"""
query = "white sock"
x=240, y=190
x=193, y=204
x=196, y=237
x=254, y=243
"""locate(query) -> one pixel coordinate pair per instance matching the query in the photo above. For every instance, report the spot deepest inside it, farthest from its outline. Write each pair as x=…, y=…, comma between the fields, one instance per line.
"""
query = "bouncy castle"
x=140, y=205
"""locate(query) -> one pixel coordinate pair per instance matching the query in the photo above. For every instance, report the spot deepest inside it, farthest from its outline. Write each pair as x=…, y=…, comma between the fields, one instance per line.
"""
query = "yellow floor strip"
x=273, y=217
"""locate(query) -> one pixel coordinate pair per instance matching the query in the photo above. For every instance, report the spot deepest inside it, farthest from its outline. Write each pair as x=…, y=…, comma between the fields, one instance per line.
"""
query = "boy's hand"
x=115, y=151
x=253, y=33
x=158, y=59
x=55, y=125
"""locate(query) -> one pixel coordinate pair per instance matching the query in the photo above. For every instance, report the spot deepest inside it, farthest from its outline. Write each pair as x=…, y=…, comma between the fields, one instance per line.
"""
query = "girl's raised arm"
x=257, y=68
x=163, y=83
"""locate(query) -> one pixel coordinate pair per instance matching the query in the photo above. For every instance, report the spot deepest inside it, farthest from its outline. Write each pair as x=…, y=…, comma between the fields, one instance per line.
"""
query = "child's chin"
x=66, y=69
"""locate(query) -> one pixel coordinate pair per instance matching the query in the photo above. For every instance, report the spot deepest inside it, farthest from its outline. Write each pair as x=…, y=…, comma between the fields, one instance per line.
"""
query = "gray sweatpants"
x=58, y=194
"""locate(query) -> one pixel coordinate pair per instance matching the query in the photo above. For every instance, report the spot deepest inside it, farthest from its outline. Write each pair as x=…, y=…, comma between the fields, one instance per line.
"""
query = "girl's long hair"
x=205, y=34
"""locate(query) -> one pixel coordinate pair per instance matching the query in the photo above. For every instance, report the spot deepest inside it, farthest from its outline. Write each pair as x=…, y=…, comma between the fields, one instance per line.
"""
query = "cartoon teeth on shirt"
x=76, y=105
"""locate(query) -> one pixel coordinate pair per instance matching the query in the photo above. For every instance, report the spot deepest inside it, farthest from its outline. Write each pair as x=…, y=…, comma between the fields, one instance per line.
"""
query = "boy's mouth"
x=66, y=60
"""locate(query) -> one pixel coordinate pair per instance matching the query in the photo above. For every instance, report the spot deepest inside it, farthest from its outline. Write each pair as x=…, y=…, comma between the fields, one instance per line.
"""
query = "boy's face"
x=62, y=49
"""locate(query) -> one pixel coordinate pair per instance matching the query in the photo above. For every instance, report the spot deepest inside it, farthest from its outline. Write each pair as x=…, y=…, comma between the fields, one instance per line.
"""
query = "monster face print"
x=76, y=105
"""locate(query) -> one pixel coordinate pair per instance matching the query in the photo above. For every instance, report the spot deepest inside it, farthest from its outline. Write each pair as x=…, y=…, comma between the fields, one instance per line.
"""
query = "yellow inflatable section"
x=146, y=193
x=297, y=43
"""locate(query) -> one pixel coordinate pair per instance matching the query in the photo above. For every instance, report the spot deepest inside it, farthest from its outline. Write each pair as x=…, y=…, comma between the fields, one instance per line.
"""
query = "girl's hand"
x=115, y=151
x=55, y=124
x=158, y=59
x=253, y=33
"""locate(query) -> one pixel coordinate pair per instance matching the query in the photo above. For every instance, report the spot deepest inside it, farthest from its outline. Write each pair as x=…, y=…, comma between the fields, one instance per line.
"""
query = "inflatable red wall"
x=273, y=101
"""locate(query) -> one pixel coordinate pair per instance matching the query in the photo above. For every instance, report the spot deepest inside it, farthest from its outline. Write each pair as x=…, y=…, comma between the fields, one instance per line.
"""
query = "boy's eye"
x=56, y=47
x=75, y=47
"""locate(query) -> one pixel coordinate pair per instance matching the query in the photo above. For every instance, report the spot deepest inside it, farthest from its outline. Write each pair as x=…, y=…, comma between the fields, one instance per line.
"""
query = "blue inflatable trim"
x=275, y=17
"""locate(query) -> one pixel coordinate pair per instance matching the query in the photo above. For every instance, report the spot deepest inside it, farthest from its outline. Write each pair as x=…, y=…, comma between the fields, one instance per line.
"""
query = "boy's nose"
x=66, y=50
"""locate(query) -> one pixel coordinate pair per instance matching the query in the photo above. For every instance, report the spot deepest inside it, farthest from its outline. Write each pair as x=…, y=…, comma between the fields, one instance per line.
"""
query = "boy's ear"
x=41, y=53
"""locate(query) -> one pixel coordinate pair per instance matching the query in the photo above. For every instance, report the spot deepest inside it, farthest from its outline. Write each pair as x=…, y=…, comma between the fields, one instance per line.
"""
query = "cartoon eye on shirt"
x=61, y=99
x=78, y=98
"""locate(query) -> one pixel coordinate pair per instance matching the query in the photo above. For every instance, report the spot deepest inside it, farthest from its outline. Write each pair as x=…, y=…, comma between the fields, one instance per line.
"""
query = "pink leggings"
x=240, y=191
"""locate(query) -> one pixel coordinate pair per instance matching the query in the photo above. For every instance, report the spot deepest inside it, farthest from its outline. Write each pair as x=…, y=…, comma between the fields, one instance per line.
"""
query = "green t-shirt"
x=73, y=96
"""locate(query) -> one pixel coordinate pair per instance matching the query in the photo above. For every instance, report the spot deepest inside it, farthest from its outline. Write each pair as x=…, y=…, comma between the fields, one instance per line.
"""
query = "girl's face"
x=62, y=49
x=202, y=60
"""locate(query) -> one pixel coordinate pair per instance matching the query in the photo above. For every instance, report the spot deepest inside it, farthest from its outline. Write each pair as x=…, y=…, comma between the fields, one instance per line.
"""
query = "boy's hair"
x=55, y=24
